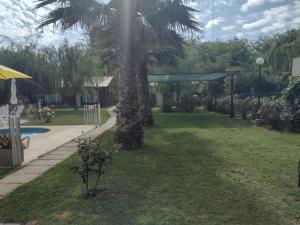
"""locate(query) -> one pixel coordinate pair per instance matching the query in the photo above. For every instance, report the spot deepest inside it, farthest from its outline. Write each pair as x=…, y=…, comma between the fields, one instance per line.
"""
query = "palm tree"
x=118, y=19
x=157, y=37
x=124, y=26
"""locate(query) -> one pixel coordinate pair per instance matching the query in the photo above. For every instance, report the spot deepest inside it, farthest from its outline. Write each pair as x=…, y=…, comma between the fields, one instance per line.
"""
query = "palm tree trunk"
x=129, y=130
x=144, y=98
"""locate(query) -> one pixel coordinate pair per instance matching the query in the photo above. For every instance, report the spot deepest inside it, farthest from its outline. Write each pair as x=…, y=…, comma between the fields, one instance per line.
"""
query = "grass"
x=68, y=117
x=199, y=168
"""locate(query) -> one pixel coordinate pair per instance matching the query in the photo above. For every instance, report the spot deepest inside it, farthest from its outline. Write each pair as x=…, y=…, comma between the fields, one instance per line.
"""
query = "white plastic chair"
x=4, y=115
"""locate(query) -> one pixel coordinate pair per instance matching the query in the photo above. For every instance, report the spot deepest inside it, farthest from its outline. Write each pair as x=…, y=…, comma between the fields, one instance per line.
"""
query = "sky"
x=233, y=18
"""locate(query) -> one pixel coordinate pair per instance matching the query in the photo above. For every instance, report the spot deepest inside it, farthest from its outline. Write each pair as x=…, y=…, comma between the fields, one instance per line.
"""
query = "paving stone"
x=18, y=178
x=45, y=162
x=7, y=188
x=34, y=169
x=62, y=152
x=70, y=144
x=53, y=157
x=66, y=148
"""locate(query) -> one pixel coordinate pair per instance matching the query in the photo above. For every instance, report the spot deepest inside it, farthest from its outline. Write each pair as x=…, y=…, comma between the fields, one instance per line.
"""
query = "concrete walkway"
x=39, y=166
x=57, y=136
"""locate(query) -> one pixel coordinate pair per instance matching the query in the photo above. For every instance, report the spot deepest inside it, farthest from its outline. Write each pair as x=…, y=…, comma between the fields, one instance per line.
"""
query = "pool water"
x=27, y=132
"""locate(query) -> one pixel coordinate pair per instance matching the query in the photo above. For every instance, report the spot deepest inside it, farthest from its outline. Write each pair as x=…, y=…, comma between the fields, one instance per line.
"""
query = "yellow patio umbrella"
x=7, y=73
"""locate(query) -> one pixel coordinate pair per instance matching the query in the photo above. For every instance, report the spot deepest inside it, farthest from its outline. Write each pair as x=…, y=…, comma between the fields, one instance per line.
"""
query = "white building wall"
x=296, y=67
x=159, y=99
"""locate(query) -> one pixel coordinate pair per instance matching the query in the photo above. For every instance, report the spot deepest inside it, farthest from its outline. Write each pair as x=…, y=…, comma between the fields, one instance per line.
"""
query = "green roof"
x=187, y=77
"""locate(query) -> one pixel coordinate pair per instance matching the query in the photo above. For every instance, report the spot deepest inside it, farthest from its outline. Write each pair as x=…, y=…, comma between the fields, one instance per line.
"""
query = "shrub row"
x=273, y=112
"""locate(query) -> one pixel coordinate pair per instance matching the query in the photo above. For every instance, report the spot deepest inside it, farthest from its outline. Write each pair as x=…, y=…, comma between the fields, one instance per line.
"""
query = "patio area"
x=58, y=135
x=50, y=149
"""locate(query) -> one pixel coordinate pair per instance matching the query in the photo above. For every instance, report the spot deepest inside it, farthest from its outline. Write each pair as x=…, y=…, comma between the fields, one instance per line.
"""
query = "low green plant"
x=94, y=158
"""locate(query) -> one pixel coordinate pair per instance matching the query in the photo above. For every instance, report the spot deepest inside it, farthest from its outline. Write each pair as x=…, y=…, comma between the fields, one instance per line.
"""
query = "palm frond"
x=72, y=12
x=176, y=15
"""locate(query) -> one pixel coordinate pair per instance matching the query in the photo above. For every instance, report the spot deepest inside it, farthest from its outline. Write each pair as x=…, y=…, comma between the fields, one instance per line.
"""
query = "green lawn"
x=196, y=168
x=69, y=117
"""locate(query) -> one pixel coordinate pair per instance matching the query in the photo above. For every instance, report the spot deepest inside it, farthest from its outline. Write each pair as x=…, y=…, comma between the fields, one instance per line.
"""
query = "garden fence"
x=92, y=115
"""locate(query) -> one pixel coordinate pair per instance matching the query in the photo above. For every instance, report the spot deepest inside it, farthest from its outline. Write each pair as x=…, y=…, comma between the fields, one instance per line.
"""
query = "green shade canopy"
x=187, y=77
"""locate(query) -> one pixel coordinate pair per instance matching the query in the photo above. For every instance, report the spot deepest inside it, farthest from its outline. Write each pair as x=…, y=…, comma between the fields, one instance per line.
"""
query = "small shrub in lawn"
x=274, y=112
x=94, y=158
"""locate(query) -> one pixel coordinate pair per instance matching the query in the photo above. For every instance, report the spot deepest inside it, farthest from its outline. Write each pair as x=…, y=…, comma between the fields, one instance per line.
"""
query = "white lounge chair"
x=4, y=115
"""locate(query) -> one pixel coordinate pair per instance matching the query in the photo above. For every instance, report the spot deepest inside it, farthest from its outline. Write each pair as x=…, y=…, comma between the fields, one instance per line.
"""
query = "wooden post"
x=15, y=132
x=99, y=114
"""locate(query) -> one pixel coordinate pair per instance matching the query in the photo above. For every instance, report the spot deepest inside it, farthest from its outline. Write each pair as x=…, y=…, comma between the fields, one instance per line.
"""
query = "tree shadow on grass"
x=201, y=119
x=185, y=186
x=175, y=179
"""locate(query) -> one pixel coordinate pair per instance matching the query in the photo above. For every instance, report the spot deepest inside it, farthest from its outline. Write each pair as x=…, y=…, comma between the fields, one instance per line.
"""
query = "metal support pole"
x=259, y=87
x=215, y=96
x=231, y=98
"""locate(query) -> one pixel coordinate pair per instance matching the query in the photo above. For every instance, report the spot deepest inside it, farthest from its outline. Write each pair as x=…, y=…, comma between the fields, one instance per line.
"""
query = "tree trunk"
x=129, y=130
x=144, y=99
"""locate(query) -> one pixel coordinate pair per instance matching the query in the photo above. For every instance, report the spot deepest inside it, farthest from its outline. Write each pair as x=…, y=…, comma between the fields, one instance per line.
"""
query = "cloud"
x=214, y=22
x=251, y=3
x=19, y=21
x=228, y=28
x=276, y=19
x=255, y=24
x=254, y=3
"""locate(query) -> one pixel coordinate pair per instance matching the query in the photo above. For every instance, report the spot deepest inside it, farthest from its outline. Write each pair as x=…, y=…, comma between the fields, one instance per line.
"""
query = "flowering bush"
x=31, y=109
x=48, y=114
x=223, y=105
x=275, y=112
x=246, y=106
x=295, y=122
x=187, y=102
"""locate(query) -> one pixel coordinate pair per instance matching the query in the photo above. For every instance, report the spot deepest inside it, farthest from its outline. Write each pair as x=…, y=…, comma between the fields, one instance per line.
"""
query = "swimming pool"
x=27, y=132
